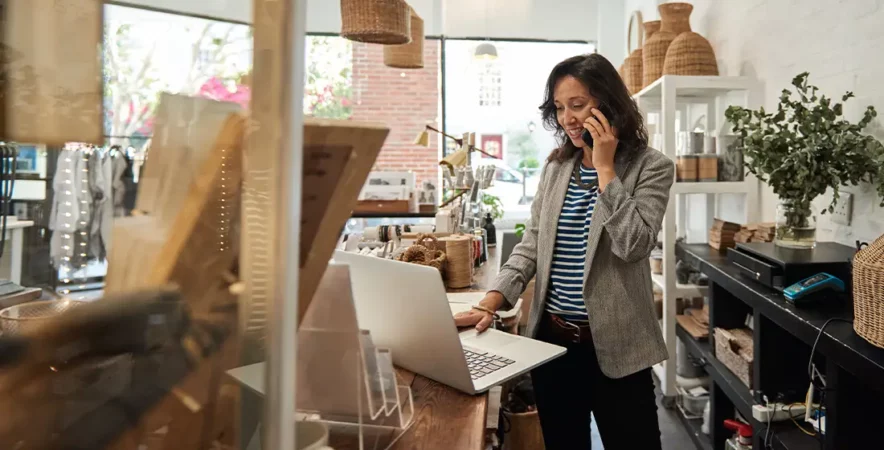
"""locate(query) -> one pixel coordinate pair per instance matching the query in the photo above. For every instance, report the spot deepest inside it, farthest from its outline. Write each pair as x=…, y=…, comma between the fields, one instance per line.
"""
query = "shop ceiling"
x=526, y=19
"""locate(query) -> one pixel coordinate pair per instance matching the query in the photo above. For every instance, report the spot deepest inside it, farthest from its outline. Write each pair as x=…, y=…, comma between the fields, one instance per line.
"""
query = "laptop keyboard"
x=482, y=363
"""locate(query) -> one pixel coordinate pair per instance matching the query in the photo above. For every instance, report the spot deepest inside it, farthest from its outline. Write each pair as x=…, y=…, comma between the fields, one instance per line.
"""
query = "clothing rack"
x=88, y=191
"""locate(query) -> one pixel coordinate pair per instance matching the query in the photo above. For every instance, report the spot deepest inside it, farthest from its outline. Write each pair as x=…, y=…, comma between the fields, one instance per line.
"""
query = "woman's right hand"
x=480, y=319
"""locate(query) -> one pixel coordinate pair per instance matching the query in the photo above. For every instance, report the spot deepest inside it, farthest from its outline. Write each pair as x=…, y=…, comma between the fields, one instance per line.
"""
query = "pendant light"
x=486, y=50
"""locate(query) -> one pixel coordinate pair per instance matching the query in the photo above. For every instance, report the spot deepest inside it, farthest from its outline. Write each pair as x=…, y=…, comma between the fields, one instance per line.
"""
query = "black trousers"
x=570, y=388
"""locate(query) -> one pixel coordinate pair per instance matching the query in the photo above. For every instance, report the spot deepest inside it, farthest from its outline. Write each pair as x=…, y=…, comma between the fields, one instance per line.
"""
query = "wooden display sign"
x=51, y=81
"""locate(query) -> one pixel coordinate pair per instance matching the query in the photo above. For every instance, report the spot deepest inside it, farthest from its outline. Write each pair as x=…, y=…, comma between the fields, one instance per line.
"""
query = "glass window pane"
x=499, y=100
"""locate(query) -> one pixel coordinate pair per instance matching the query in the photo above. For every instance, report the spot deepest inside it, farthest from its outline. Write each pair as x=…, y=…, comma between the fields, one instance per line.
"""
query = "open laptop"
x=405, y=308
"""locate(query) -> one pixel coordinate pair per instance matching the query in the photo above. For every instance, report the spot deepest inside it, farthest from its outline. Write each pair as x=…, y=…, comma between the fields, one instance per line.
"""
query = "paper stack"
x=723, y=234
x=756, y=232
x=765, y=232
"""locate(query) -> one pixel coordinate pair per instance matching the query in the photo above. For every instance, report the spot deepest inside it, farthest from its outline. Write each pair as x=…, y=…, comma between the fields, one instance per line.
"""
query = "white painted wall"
x=611, y=35
x=536, y=19
x=838, y=42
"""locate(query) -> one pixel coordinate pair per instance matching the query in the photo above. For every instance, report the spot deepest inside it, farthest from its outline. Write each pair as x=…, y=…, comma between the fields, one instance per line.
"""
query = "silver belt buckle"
x=575, y=329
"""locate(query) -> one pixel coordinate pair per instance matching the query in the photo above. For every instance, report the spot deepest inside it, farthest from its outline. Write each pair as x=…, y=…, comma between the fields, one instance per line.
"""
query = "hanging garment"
x=71, y=207
x=106, y=220
x=119, y=186
x=100, y=181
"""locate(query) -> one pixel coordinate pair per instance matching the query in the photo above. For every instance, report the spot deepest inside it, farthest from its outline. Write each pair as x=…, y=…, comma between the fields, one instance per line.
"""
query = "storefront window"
x=498, y=100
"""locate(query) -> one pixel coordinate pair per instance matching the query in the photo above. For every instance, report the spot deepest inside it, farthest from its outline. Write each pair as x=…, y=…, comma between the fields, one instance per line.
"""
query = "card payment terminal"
x=803, y=290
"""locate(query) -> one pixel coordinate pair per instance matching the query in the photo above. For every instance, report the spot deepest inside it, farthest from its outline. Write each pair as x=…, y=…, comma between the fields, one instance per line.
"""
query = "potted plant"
x=804, y=148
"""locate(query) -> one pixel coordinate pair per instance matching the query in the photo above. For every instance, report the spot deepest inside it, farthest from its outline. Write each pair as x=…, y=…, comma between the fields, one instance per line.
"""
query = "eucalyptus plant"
x=806, y=147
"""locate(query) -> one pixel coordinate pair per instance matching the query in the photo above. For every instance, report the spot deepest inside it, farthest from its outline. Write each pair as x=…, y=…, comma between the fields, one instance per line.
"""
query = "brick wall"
x=774, y=40
x=404, y=103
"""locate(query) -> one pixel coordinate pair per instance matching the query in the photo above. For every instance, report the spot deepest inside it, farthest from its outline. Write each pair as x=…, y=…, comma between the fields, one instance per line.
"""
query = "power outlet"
x=843, y=209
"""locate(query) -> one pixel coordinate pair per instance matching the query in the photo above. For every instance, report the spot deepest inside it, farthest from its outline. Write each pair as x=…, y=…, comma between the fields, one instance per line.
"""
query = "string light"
x=68, y=273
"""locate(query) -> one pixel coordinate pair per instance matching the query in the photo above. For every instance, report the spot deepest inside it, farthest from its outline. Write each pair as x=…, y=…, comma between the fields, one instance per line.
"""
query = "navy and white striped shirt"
x=565, y=297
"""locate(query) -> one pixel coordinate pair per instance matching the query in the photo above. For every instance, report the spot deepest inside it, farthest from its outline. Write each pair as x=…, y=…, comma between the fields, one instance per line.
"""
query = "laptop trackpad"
x=489, y=340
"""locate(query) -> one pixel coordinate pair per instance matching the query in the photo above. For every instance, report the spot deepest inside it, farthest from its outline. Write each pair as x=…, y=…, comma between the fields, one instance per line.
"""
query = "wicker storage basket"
x=868, y=293
x=675, y=20
x=411, y=55
x=734, y=348
x=376, y=21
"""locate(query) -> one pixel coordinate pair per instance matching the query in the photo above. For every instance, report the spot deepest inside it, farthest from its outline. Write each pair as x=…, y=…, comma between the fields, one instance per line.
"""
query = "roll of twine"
x=459, y=268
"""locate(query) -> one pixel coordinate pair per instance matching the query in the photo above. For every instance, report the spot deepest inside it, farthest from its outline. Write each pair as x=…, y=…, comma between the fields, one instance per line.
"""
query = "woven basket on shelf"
x=459, y=270
x=411, y=55
x=376, y=21
x=634, y=71
x=690, y=54
x=675, y=20
x=868, y=293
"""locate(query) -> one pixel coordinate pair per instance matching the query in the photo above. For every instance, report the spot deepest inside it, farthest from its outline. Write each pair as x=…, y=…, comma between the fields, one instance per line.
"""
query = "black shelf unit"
x=732, y=386
x=783, y=335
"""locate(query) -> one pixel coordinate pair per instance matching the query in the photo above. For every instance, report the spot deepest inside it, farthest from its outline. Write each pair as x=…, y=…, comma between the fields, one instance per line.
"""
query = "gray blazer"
x=617, y=277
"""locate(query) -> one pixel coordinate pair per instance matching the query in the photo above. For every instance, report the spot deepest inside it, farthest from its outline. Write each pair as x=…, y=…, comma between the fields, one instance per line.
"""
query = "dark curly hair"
x=605, y=84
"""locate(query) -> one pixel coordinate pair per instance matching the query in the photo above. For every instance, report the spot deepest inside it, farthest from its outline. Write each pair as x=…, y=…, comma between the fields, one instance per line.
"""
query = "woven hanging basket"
x=376, y=21
x=868, y=293
x=690, y=54
x=675, y=20
x=411, y=55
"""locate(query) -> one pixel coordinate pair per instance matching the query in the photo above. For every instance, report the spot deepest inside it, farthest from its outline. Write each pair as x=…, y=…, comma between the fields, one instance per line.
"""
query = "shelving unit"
x=673, y=99
x=783, y=336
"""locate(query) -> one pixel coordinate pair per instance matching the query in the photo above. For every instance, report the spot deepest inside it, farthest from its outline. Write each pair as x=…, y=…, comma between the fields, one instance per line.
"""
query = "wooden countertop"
x=445, y=418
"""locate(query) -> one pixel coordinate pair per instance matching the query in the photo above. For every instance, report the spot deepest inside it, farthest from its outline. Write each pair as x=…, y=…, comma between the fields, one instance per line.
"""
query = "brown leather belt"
x=560, y=330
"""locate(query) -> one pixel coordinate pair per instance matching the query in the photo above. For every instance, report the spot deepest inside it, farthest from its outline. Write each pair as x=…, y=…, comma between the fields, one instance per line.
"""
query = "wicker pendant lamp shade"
x=384, y=22
x=675, y=20
x=411, y=55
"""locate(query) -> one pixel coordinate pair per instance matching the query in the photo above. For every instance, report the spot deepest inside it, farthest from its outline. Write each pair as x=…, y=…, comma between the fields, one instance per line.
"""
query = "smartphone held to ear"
x=587, y=137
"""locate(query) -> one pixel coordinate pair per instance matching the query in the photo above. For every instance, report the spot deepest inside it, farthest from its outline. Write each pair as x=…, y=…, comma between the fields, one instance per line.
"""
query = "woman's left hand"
x=604, y=138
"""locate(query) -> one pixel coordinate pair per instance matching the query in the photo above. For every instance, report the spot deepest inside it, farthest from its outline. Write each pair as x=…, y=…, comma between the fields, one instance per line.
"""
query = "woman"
x=594, y=221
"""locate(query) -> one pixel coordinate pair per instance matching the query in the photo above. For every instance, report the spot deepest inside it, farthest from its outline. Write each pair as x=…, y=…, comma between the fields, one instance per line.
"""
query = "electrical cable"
x=817, y=340
x=822, y=388
x=792, y=417
x=769, y=420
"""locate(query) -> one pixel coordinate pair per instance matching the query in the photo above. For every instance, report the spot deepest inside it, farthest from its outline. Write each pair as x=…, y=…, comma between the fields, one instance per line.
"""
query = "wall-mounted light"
x=531, y=126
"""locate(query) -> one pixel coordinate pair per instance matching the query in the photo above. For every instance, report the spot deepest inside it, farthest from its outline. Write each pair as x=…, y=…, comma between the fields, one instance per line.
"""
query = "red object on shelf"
x=744, y=430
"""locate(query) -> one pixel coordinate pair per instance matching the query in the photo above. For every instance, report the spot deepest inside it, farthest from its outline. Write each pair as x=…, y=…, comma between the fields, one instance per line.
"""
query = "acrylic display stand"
x=343, y=380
